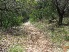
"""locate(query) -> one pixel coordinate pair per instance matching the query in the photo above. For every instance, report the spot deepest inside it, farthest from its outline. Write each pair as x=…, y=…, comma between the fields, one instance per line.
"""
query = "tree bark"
x=1, y=19
x=60, y=19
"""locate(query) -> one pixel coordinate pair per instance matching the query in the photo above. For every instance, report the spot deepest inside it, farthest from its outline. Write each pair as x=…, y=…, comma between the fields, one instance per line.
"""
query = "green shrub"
x=16, y=49
x=34, y=16
x=43, y=10
x=67, y=38
x=9, y=19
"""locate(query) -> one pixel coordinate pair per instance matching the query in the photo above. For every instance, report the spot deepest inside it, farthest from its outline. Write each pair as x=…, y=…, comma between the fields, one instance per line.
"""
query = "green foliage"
x=10, y=13
x=16, y=49
x=10, y=19
x=43, y=9
x=67, y=38
x=60, y=34
x=35, y=15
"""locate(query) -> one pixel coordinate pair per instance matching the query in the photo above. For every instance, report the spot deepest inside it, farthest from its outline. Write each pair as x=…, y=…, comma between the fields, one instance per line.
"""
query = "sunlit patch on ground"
x=27, y=23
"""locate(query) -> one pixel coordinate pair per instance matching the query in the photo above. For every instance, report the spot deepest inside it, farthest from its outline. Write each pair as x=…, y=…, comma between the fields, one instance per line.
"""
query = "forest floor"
x=38, y=42
x=29, y=38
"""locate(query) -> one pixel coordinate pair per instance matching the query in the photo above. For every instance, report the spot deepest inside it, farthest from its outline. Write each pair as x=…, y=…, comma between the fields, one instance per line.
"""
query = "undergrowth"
x=58, y=34
x=16, y=48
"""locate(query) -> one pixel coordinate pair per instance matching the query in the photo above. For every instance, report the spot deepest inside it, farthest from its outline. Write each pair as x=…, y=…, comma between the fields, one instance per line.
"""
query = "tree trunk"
x=0, y=23
x=1, y=20
x=60, y=19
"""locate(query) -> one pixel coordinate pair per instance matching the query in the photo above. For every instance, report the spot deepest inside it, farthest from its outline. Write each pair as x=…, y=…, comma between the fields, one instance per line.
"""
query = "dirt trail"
x=37, y=42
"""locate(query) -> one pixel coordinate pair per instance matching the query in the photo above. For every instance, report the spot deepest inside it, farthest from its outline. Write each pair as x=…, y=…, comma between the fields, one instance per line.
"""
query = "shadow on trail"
x=65, y=24
x=15, y=31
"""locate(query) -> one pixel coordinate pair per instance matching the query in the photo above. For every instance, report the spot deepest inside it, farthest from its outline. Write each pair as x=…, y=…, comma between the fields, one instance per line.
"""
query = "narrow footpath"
x=37, y=42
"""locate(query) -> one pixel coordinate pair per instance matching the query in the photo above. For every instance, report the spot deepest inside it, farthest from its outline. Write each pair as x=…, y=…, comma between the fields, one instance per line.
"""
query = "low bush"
x=16, y=49
x=9, y=19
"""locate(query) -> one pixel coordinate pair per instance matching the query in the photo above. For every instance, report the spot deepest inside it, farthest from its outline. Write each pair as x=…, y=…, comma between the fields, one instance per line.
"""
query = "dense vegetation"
x=12, y=12
x=50, y=16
